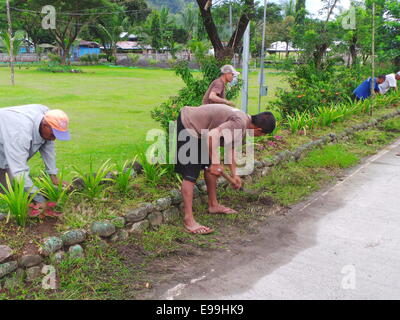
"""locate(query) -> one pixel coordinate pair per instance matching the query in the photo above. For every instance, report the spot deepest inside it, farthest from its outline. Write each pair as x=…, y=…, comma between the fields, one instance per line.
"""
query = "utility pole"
x=11, y=41
x=245, y=67
x=373, y=58
x=262, y=80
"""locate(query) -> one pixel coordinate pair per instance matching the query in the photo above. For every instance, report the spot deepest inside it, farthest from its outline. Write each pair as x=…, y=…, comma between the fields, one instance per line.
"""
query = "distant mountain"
x=173, y=5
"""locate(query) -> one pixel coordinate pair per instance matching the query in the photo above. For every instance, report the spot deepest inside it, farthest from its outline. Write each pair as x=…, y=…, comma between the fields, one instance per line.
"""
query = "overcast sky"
x=313, y=6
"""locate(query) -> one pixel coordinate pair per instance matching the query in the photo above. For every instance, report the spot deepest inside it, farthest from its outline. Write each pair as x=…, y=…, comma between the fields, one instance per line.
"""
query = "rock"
x=268, y=163
x=102, y=228
x=122, y=235
x=30, y=261
x=78, y=183
x=7, y=268
x=50, y=246
x=163, y=203
x=155, y=219
x=33, y=273
x=72, y=237
x=15, y=280
x=139, y=227
x=176, y=196
x=119, y=222
x=202, y=186
x=258, y=164
x=76, y=251
x=3, y=216
x=58, y=257
x=5, y=253
x=20, y=275
x=138, y=167
x=265, y=171
x=171, y=214
x=140, y=213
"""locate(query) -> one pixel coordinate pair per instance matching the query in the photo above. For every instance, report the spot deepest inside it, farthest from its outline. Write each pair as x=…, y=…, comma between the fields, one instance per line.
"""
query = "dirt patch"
x=25, y=240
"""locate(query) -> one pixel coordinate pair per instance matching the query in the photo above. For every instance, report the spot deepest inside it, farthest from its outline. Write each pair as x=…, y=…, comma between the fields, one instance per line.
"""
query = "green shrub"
x=133, y=57
x=17, y=199
x=90, y=58
x=57, y=194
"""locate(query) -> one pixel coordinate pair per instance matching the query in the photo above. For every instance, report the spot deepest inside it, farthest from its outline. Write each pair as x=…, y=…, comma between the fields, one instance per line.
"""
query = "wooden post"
x=262, y=82
x=11, y=41
x=373, y=58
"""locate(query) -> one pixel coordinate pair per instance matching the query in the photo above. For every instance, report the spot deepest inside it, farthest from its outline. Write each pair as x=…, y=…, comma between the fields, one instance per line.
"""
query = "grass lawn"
x=109, y=107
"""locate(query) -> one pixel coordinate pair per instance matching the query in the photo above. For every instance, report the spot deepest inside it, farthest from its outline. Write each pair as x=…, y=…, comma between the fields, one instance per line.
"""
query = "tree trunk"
x=222, y=52
x=319, y=54
x=287, y=49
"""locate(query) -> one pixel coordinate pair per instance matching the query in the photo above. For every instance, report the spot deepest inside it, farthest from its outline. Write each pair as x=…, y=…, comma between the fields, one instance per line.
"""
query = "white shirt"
x=20, y=140
x=390, y=82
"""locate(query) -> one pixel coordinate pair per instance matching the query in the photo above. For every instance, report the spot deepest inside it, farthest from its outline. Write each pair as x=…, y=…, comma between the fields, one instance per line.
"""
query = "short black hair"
x=264, y=120
x=382, y=76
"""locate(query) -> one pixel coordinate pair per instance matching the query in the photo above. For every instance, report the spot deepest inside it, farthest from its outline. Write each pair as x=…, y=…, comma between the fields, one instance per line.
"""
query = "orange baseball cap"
x=58, y=121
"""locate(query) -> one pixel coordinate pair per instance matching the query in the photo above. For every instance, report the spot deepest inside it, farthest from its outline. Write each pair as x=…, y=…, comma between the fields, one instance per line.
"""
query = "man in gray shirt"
x=24, y=131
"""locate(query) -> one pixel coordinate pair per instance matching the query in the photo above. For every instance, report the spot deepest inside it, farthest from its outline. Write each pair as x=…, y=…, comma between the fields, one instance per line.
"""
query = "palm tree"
x=188, y=19
x=289, y=8
x=18, y=40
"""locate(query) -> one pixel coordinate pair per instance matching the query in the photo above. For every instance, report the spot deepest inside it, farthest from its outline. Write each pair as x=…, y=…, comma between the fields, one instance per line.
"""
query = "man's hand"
x=230, y=103
x=238, y=183
x=55, y=181
x=216, y=169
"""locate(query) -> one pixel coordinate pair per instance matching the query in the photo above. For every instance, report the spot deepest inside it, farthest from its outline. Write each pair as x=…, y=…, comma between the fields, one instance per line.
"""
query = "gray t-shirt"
x=212, y=116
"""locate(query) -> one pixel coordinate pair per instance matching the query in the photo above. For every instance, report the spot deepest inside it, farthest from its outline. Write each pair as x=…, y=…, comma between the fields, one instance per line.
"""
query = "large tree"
x=223, y=52
x=72, y=17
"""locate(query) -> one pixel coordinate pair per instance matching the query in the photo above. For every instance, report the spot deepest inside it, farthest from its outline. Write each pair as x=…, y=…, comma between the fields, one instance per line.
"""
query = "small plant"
x=54, y=193
x=17, y=199
x=94, y=181
x=153, y=172
x=328, y=115
x=300, y=121
x=123, y=177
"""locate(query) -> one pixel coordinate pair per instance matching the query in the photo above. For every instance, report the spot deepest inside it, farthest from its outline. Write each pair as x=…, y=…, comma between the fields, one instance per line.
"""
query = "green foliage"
x=153, y=172
x=94, y=181
x=17, y=199
x=90, y=58
x=123, y=177
x=57, y=194
x=328, y=115
x=54, y=57
x=300, y=121
x=134, y=57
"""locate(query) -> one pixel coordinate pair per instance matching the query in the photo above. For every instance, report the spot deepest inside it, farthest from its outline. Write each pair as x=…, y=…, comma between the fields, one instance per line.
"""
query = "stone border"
x=147, y=215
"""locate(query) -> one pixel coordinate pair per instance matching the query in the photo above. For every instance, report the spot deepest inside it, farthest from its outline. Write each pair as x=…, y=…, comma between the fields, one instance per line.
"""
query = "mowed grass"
x=109, y=107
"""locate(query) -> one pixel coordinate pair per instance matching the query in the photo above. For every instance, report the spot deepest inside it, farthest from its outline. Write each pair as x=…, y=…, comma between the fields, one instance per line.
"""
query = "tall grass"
x=17, y=199
x=94, y=180
x=54, y=193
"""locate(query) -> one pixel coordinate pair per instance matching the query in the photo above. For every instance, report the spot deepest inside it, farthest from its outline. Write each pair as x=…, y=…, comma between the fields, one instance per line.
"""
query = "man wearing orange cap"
x=24, y=131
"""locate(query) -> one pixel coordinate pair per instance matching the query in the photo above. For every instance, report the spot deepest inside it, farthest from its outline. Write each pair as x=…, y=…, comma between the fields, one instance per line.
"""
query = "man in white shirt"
x=390, y=82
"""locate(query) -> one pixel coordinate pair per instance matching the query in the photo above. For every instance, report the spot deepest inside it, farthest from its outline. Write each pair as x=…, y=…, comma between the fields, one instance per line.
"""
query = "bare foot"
x=221, y=209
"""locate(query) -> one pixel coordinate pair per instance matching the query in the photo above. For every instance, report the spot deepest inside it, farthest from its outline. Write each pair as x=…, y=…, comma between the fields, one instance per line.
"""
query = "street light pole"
x=11, y=37
x=245, y=67
x=262, y=80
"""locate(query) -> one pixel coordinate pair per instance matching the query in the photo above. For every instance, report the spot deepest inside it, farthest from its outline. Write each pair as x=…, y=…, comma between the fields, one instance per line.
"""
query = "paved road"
x=342, y=244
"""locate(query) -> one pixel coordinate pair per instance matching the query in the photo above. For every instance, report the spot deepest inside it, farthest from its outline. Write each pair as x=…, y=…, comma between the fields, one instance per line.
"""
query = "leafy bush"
x=300, y=121
x=90, y=58
x=17, y=199
x=328, y=115
x=134, y=57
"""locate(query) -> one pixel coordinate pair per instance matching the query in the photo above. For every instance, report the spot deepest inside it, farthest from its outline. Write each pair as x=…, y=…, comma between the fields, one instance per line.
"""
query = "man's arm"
x=232, y=167
x=213, y=143
x=48, y=153
x=214, y=97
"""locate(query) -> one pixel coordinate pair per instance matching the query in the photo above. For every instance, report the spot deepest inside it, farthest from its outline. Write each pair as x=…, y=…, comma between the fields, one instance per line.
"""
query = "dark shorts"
x=197, y=161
